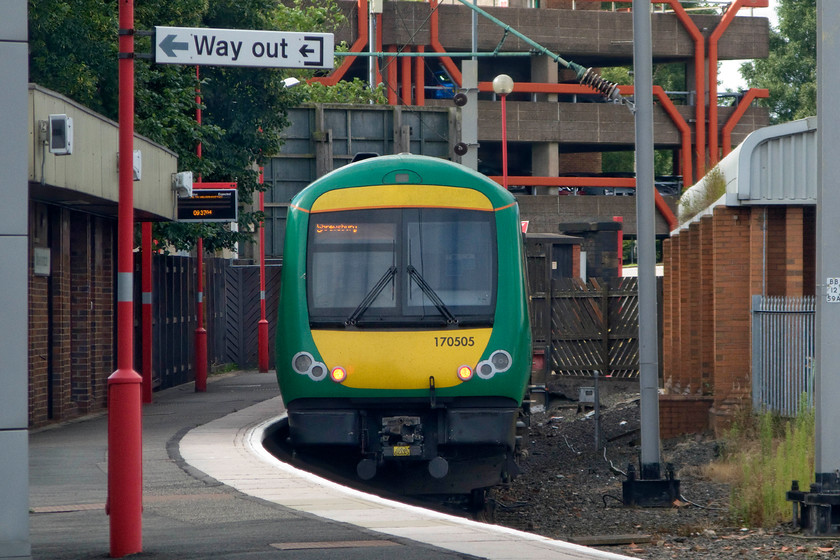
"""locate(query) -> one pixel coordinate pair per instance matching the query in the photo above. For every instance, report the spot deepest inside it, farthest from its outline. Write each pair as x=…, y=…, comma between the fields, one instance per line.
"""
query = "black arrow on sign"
x=304, y=50
x=169, y=46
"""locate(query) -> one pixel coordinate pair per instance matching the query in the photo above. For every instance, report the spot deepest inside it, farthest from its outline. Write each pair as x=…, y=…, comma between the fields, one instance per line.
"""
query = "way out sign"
x=197, y=46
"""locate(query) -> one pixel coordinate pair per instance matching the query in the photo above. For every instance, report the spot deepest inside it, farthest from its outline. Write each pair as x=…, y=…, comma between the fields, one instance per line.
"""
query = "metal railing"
x=782, y=353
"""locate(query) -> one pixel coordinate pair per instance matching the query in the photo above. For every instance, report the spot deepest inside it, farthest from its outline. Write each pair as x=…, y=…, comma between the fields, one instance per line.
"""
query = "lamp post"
x=503, y=85
x=262, y=324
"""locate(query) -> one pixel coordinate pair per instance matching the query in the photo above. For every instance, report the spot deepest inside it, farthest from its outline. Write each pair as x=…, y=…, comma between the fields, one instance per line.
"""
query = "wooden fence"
x=242, y=307
x=587, y=327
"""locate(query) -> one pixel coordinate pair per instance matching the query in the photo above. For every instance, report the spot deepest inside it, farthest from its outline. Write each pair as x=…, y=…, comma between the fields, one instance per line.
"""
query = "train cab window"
x=347, y=259
x=393, y=267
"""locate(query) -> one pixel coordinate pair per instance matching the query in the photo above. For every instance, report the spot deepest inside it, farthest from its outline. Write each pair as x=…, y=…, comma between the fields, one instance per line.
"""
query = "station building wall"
x=71, y=312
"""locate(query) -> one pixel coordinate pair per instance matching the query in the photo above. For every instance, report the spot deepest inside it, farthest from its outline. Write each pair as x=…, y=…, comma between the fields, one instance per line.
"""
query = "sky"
x=729, y=76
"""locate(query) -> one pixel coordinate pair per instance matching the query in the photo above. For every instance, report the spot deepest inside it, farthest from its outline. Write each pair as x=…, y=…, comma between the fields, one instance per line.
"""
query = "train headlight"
x=499, y=362
x=304, y=363
x=465, y=373
x=338, y=374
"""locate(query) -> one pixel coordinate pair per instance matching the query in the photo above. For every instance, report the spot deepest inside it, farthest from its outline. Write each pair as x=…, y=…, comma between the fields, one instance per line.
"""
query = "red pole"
x=146, y=255
x=125, y=432
x=262, y=325
x=200, y=332
x=620, y=248
x=504, y=144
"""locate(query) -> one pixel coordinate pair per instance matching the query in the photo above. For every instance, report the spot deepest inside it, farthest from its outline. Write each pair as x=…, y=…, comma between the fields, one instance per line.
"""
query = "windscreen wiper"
x=371, y=296
x=430, y=293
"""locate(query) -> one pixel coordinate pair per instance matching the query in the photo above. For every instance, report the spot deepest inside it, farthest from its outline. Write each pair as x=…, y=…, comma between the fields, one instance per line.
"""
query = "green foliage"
x=789, y=72
x=356, y=91
x=243, y=109
x=771, y=452
x=699, y=198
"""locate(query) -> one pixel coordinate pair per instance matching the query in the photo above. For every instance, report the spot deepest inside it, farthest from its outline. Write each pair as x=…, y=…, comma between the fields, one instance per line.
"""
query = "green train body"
x=403, y=324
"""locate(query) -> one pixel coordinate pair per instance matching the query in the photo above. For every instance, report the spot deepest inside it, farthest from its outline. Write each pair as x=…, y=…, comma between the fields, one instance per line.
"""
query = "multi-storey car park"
x=557, y=129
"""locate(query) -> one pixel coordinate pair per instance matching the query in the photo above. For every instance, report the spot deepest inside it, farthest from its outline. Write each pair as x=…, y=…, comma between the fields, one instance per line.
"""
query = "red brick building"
x=756, y=239
x=73, y=200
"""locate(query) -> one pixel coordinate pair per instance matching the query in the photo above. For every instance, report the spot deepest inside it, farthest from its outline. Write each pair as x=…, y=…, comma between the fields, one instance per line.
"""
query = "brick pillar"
x=667, y=307
x=794, y=258
x=691, y=376
x=706, y=323
x=38, y=318
x=60, y=287
x=688, y=258
x=81, y=307
x=732, y=338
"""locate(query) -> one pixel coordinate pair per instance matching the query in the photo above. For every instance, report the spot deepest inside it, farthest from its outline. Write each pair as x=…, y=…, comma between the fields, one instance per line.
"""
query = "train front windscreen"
x=401, y=267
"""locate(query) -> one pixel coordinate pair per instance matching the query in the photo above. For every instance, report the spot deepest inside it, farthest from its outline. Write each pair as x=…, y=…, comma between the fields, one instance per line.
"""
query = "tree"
x=243, y=109
x=789, y=72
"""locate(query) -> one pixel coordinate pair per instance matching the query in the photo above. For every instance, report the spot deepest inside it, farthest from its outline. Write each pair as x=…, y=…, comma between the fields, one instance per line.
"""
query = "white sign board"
x=197, y=46
x=832, y=290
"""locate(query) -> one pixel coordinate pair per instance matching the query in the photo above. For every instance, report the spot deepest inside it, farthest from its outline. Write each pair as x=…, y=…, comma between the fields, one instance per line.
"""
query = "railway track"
x=392, y=481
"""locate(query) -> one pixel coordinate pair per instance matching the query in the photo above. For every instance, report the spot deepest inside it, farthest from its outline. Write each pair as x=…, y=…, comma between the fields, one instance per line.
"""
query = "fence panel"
x=782, y=352
x=242, y=303
x=594, y=328
x=175, y=319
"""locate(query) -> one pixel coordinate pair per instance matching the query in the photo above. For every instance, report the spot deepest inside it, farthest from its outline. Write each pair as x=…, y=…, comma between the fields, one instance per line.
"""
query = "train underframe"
x=453, y=446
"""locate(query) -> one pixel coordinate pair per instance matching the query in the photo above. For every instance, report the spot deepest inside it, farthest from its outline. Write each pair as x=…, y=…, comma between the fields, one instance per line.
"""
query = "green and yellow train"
x=403, y=327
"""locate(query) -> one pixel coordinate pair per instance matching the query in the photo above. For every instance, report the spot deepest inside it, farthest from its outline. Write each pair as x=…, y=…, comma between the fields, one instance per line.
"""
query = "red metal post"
x=405, y=71
x=504, y=144
x=146, y=256
x=420, y=79
x=200, y=331
x=620, y=248
x=391, y=72
x=125, y=432
x=262, y=326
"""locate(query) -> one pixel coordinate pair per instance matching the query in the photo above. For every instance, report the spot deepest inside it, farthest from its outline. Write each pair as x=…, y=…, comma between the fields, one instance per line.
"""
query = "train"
x=403, y=333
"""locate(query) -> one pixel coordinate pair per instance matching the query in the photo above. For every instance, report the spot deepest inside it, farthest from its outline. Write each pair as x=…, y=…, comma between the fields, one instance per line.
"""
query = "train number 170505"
x=441, y=341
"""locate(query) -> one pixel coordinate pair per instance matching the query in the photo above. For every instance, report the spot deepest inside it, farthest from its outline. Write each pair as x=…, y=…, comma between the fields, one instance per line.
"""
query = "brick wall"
x=712, y=270
x=71, y=350
x=681, y=414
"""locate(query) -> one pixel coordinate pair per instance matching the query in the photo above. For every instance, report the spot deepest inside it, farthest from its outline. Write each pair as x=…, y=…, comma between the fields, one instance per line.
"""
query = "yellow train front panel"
x=401, y=359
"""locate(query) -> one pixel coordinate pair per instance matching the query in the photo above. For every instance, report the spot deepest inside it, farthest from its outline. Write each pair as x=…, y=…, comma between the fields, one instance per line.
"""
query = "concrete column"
x=544, y=70
x=14, y=250
x=545, y=162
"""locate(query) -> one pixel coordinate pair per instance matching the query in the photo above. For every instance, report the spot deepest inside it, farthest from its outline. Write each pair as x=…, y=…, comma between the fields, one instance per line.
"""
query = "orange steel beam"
x=700, y=86
x=391, y=72
x=434, y=41
x=736, y=115
x=606, y=182
x=358, y=45
x=667, y=105
x=406, y=80
x=685, y=132
x=378, y=47
x=420, y=78
x=722, y=26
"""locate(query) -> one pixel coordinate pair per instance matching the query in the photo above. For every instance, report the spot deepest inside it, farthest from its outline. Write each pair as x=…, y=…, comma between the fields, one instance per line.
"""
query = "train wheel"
x=482, y=507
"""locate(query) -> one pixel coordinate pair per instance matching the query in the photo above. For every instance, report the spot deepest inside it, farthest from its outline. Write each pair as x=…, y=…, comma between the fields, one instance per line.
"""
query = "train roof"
x=404, y=169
